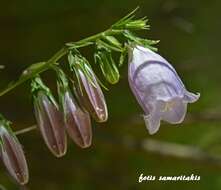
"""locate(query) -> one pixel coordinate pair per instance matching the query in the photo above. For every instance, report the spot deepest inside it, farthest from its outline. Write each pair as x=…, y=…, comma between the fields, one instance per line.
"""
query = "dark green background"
x=32, y=31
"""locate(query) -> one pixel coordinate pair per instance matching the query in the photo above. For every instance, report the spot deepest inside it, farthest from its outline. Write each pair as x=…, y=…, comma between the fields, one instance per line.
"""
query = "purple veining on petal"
x=78, y=122
x=13, y=156
x=51, y=125
x=157, y=88
x=92, y=96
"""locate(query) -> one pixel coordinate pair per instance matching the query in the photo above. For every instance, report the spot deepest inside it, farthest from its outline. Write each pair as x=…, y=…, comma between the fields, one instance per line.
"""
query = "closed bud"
x=49, y=118
x=12, y=154
x=77, y=121
x=88, y=90
x=137, y=24
x=107, y=65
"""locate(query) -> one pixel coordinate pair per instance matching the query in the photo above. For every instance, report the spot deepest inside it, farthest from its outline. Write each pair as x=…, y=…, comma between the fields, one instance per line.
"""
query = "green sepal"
x=38, y=85
x=113, y=41
x=128, y=22
x=62, y=88
x=140, y=41
x=103, y=45
x=4, y=123
x=122, y=56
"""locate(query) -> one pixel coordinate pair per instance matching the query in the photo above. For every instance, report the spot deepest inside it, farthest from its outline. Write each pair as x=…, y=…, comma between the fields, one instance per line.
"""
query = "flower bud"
x=88, y=90
x=12, y=154
x=158, y=88
x=49, y=118
x=107, y=65
x=77, y=121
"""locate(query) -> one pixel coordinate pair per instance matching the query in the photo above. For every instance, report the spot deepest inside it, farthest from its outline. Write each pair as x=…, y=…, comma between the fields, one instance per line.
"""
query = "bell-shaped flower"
x=77, y=121
x=88, y=90
x=158, y=88
x=12, y=155
x=49, y=118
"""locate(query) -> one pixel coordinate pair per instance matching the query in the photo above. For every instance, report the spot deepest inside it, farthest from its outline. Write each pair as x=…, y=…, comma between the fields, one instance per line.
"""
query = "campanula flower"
x=12, y=154
x=158, y=88
x=77, y=120
x=49, y=118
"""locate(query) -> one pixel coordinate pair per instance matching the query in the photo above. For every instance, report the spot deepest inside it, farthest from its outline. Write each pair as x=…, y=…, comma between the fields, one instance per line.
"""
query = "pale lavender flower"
x=12, y=155
x=158, y=88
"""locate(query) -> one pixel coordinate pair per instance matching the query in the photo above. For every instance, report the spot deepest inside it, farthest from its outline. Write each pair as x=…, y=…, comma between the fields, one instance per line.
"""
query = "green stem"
x=58, y=55
x=26, y=130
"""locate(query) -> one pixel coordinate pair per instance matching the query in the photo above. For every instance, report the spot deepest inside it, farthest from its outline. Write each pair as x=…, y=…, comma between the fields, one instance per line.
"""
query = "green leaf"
x=126, y=18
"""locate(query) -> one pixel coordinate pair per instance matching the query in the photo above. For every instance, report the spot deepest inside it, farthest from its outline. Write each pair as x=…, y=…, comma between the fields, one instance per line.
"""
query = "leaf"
x=126, y=18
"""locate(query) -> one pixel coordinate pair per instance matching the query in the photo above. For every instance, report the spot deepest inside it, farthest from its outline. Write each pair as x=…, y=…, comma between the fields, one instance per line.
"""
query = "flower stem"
x=26, y=130
x=58, y=55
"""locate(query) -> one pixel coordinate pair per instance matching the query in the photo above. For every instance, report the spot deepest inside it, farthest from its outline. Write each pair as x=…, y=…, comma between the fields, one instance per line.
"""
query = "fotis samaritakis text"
x=145, y=178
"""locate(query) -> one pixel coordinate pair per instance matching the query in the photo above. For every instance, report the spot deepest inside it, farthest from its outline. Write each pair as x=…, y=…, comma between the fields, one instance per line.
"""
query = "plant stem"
x=58, y=55
x=26, y=130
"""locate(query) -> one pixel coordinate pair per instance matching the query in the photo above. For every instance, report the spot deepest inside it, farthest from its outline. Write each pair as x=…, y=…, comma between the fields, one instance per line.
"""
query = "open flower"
x=12, y=154
x=49, y=119
x=158, y=88
x=77, y=120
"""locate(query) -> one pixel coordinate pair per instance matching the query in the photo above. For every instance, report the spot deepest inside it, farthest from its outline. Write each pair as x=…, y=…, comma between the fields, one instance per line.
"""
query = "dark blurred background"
x=189, y=31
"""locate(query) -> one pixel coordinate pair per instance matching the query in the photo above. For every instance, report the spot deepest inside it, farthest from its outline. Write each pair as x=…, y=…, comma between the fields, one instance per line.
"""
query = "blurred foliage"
x=31, y=31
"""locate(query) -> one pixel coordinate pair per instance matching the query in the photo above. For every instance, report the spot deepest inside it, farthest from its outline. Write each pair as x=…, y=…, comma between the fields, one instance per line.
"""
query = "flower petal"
x=78, y=122
x=174, y=111
x=13, y=156
x=91, y=96
x=190, y=97
x=51, y=125
x=157, y=88
x=152, y=122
